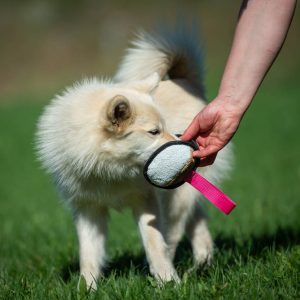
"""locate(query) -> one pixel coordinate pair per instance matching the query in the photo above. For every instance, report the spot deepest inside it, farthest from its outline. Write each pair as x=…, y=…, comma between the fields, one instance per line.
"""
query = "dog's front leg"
x=160, y=264
x=91, y=225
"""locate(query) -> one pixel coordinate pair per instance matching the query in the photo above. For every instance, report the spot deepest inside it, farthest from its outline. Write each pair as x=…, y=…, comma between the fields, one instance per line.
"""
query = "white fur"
x=160, y=53
x=97, y=161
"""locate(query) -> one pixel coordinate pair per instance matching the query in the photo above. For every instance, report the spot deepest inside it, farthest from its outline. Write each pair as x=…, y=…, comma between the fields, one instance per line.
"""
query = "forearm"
x=259, y=35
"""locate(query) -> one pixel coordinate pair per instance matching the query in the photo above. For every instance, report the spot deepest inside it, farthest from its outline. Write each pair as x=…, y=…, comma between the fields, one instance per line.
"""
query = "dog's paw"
x=86, y=285
x=203, y=258
x=163, y=277
x=162, y=281
x=203, y=254
x=170, y=278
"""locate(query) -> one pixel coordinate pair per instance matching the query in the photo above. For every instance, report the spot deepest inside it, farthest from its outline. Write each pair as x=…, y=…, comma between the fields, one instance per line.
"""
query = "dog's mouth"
x=141, y=158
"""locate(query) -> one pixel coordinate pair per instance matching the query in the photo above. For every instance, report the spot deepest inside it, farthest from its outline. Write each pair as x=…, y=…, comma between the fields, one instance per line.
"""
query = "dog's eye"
x=154, y=131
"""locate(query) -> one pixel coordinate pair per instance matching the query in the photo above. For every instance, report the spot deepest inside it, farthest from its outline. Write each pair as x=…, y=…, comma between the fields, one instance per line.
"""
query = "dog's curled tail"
x=173, y=54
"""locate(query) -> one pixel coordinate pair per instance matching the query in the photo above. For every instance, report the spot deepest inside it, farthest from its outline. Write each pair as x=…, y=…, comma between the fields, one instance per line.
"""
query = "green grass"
x=257, y=247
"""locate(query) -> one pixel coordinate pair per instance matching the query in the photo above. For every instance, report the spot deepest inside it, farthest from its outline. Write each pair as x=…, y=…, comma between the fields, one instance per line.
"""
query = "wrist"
x=235, y=100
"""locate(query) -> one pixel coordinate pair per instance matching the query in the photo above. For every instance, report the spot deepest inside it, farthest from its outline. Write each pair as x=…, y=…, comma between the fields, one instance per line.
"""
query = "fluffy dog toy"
x=172, y=164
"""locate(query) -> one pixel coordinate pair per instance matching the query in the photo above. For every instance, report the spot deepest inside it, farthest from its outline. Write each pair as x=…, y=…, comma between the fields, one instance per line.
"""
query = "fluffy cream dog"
x=96, y=137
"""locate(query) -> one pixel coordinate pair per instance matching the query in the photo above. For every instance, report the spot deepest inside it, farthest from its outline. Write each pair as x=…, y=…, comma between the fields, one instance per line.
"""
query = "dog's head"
x=132, y=123
x=108, y=130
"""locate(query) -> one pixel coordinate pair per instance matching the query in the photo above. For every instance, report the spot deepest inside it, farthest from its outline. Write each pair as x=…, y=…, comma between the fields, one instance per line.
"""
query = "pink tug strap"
x=211, y=192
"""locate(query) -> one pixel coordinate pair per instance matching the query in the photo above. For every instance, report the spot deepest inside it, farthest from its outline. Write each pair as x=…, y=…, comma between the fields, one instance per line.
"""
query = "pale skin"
x=260, y=33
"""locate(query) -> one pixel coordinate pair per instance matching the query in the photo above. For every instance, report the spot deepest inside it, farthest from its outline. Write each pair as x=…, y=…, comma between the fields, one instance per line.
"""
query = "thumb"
x=201, y=123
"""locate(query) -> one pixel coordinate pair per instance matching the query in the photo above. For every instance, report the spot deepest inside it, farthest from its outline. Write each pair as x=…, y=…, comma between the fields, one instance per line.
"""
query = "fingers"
x=206, y=152
x=202, y=123
x=205, y=161
x=207, y=155
x=201, y=130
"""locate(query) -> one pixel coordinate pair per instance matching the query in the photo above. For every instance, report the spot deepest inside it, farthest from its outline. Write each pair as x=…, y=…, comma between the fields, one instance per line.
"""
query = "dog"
x=96, y=137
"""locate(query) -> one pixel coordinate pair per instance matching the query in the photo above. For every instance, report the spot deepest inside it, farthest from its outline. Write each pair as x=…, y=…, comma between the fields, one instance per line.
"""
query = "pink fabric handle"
x=212, y=193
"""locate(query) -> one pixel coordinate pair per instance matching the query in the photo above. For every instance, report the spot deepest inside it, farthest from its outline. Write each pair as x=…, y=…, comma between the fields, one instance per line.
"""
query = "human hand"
x=212, y=128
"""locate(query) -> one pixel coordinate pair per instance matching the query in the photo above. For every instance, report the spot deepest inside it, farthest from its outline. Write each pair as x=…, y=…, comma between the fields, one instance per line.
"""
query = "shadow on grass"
x=119, y=265
x=125, y=262
x=255, y=246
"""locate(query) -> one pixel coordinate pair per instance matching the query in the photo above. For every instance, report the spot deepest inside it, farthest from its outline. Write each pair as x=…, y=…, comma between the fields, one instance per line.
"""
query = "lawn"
x=257, y=251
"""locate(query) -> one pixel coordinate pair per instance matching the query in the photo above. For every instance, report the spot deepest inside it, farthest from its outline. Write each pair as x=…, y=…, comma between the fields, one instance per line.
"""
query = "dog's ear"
x=147, y=85
x=119, y=113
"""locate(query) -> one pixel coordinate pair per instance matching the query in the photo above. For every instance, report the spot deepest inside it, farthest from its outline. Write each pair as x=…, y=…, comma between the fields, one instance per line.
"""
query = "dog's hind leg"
x=176, y=207
x=199, y=236
x=91, y=225
x=156, y=249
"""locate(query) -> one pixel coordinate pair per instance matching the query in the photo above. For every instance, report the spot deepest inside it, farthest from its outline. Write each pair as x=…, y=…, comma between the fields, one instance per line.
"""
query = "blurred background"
x=45, y=46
